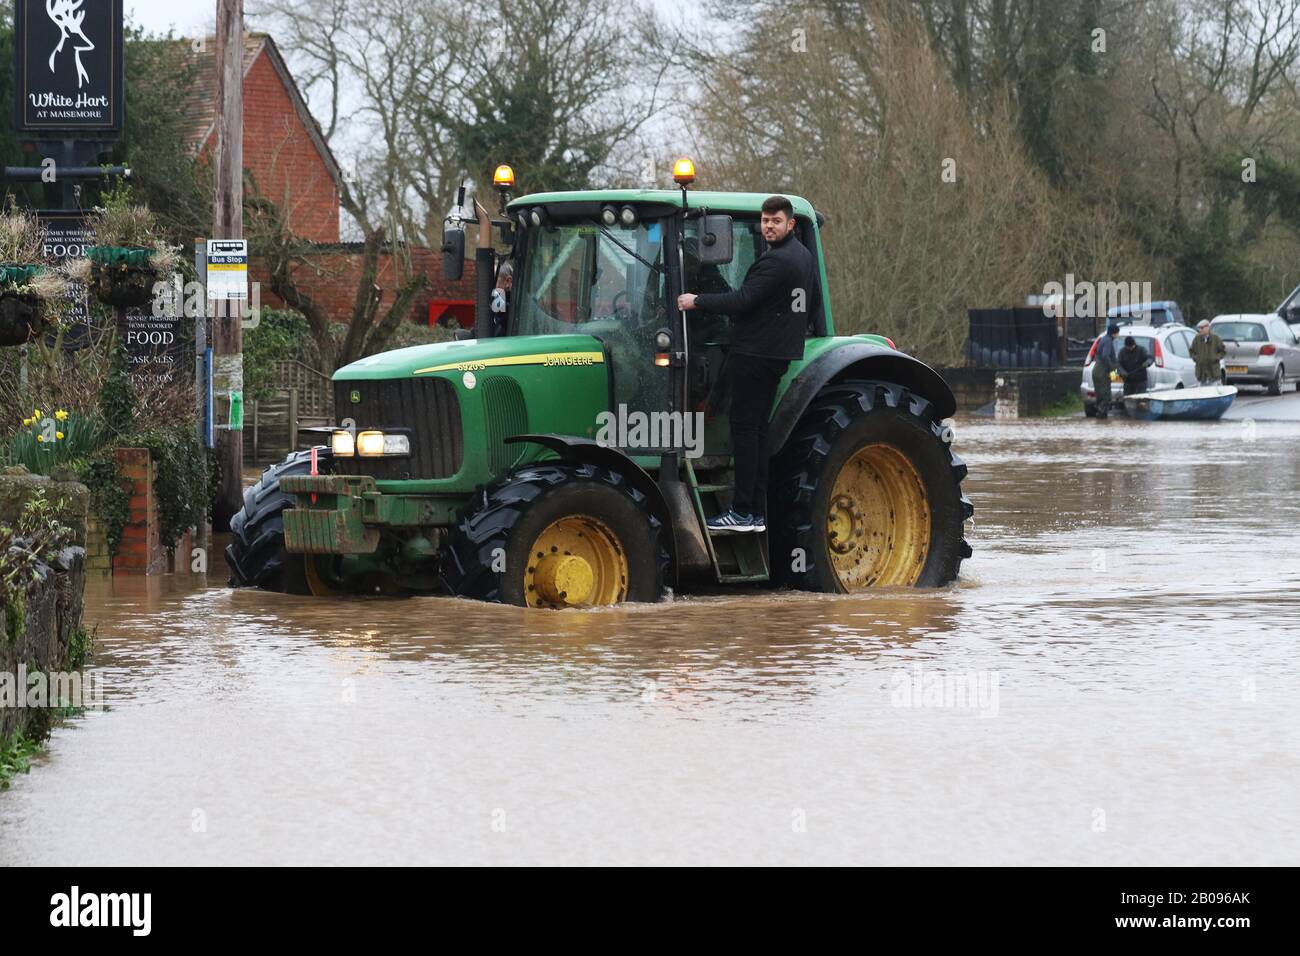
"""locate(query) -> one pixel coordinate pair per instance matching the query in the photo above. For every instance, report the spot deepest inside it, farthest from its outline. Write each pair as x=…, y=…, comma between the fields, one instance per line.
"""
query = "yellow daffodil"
x=58, y=435
x=61, y=415
x=28, y=421
x=40, y=438
x=36, y=414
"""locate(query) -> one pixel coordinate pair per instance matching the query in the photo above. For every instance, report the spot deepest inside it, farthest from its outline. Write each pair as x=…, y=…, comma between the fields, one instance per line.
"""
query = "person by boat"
x=1133, y=364
x=1105, y=362
x=1207, y=350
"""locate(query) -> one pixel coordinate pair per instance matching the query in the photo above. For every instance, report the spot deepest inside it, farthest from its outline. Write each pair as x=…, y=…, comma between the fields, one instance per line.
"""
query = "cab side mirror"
x=453, y=254
x=715, y=240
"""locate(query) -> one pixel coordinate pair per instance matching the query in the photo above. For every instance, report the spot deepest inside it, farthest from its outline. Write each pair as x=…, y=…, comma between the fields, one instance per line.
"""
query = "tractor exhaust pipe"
x=484, y=281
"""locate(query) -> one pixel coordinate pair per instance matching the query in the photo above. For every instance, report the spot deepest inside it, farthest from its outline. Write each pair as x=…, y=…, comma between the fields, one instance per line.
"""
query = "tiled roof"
x=201, y=111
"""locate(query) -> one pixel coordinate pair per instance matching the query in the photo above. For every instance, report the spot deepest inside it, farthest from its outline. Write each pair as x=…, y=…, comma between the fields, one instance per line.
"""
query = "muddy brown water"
x=1113, y=680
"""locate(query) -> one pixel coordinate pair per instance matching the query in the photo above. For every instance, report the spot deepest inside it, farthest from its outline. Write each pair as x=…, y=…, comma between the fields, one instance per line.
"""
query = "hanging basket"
x=23, y=316
x=121, y=275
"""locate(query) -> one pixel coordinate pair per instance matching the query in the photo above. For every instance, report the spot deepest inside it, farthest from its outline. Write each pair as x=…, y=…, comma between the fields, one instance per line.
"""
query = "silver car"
x=1170, y=346
x=1262, y=350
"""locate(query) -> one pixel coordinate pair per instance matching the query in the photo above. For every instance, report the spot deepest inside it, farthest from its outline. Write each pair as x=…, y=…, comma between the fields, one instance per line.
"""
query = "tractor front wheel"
x=256, y=552
x=867, y=493
x=559, y=535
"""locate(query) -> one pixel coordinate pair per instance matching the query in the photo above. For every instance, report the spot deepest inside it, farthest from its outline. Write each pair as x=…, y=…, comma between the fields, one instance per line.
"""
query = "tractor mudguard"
x=589, y=451
x=857, y=360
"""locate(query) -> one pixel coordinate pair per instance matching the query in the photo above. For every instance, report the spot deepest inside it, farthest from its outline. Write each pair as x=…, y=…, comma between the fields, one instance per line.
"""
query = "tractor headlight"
x=377, y=445
x=342, y=444
x=627, y=216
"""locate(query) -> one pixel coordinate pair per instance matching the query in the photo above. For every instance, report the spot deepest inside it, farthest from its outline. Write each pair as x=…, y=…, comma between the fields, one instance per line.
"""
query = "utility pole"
x=228, y=223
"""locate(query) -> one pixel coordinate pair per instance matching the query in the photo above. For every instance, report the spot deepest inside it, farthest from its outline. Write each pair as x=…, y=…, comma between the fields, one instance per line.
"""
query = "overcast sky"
x=189, y=17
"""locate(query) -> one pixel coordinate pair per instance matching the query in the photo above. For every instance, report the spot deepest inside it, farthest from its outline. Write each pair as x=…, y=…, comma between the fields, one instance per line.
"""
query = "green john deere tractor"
x=570, y=455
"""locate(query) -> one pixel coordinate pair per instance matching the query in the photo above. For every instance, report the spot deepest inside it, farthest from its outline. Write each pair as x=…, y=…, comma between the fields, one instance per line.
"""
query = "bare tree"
x=426, y=94
x=934, y=205
x=423, y=96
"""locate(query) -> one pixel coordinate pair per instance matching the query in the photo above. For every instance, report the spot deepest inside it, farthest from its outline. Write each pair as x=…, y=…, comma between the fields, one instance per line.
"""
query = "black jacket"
x=766, y=323
x=1133, y=363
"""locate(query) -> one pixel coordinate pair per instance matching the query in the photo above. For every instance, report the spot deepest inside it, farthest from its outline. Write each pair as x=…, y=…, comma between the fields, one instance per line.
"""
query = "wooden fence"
x=303, y=398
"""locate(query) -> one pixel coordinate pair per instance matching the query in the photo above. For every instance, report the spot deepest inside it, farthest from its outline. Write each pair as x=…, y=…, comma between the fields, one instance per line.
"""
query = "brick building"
x=291, y=164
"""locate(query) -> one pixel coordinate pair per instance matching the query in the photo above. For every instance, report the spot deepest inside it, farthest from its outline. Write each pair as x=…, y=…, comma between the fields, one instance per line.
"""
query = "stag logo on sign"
x=133, y=910
x=68, y=17
x=69, y=55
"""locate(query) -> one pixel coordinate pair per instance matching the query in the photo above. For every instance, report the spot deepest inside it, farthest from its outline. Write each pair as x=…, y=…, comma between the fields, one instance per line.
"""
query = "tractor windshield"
x=605, y=281
x=589, y=278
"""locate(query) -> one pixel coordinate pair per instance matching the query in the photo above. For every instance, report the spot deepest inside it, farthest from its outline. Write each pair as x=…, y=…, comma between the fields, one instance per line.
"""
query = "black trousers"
x=753, y=388
x=1134, y=385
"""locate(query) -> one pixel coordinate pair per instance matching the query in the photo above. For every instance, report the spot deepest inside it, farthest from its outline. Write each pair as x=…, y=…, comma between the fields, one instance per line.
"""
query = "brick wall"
x=285, y=163
x=97, y=556
x=289, y=165
x=333, y=276
x=140, y=551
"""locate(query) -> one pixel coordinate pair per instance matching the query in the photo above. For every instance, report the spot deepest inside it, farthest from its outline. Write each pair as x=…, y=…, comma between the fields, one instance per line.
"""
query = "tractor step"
x=741, y=555
x=737, y=557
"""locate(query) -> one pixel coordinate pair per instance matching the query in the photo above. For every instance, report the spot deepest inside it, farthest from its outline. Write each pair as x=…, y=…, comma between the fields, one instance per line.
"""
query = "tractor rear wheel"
x=867, y=493
x=256, y=552
x=559, y=535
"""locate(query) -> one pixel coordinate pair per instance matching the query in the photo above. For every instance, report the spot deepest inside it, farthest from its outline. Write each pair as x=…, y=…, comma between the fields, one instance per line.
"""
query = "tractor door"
x=709, y=382
x=607, y=282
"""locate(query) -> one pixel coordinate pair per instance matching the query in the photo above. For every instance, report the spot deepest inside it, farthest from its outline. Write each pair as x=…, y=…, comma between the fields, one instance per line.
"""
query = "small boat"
x=1203, y=403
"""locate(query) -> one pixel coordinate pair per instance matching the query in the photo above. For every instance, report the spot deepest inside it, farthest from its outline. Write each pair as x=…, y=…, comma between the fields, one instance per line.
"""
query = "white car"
x=1170, y=346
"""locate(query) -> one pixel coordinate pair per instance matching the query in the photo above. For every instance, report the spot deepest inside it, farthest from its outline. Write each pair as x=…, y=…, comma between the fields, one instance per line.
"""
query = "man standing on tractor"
x=771, y=310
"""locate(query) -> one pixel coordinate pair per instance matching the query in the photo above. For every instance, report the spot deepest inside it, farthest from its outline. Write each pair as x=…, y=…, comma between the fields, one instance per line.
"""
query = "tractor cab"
x=610, y=265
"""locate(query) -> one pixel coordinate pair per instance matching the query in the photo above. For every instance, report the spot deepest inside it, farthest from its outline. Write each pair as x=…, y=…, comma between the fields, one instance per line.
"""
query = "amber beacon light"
x=683, y=172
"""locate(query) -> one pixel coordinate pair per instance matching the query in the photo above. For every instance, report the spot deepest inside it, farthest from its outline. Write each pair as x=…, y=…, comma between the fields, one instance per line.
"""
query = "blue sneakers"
x=734, y=521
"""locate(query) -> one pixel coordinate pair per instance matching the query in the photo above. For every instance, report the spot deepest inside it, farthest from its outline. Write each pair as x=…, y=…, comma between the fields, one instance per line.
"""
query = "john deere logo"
x=355, y=396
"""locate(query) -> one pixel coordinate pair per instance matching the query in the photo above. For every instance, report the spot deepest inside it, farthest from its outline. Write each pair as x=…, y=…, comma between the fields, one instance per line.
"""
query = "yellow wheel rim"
x=575, y=562
x=878, y=520
x=317, y=583
x=322, y=584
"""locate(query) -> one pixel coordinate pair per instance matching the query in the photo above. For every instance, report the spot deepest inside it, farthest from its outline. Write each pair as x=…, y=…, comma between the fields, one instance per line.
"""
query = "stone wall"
x=1024, y=393
x=1018, y=393
x=972, y=387
x=52, y=604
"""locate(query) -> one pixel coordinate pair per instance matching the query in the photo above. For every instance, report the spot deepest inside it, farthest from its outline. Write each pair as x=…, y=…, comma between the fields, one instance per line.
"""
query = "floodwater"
x=1113, y=681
